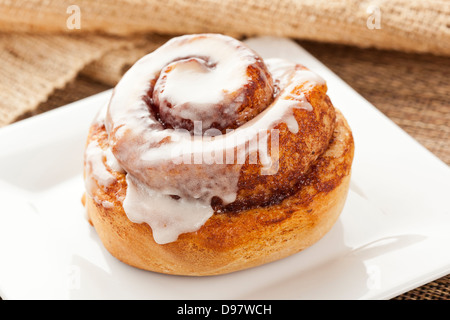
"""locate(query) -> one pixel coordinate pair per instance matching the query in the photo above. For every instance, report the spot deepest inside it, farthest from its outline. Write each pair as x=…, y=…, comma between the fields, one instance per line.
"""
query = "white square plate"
x=393, y=235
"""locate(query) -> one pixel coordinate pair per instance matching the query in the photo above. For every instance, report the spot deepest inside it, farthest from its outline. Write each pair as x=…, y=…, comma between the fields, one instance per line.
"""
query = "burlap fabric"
x=34, y=65
x=55, y=49
x=412, y=25
x=45, y=65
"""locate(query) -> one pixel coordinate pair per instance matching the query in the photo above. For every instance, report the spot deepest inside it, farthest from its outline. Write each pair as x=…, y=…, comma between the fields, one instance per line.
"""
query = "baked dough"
x=271, y=217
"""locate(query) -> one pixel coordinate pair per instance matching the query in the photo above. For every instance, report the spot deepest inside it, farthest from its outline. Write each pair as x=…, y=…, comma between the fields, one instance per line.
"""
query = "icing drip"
x=98, y=174
x=112, y=162
x=167, y=217
x=172, y=174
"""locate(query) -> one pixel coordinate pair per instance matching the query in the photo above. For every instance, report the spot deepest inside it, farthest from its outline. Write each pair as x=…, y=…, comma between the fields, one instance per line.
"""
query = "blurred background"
x=395, y=53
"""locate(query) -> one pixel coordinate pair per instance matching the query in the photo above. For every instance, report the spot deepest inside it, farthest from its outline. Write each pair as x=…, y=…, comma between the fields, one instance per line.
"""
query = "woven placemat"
x=409, y=25
x=34, y=65
x=411, y=89
x=44, y=44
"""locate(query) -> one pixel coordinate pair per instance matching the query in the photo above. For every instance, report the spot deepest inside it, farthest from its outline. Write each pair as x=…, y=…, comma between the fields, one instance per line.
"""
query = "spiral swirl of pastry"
x=203, y=125
x=208, y=160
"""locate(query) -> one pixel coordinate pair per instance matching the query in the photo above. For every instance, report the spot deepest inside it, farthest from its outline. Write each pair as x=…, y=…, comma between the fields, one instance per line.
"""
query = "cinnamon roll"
x=208, y=159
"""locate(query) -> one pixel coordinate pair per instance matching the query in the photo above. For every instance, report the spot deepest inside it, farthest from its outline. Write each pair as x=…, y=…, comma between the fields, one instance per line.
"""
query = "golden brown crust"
x=309, y=107
x=273, y=215
x=297, y=153
x=233, y=240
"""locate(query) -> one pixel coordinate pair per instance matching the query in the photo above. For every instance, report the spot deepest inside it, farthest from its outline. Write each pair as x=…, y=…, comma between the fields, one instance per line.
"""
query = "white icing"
x=167, y=217
x=281, y=111
x=97, y=160
x=163, y=162
x=282, y=70
x=105, y=203
x=112, y=162
x=191, y=87
x=232, y=62
x=95, y=167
